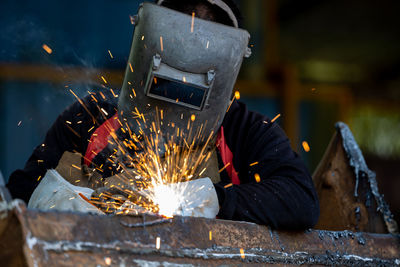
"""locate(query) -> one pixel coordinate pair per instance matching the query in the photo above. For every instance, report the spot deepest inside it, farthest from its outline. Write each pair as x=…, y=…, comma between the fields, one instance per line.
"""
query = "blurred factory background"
x=314, y=62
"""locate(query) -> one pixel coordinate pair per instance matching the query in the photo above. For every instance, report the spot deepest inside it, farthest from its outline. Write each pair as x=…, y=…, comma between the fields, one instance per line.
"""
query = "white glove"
x=55, y=193
x=196, y=198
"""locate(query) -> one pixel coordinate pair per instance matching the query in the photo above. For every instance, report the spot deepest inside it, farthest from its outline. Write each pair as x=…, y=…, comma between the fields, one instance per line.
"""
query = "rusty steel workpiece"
x=35, y=238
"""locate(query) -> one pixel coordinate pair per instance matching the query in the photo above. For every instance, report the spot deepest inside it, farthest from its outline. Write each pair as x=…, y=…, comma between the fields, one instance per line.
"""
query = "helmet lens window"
x=175, y=91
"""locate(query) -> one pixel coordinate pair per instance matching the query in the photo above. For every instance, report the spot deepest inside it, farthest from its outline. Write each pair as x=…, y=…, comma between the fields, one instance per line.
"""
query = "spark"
x=68, y=122
x=83, y=105
x=103, y=79
x=110, y=54
x=257, y=177
x=306, y=146
x=113, y=93
x=86, y=199
x=19, y=123
x=228, y=185
x=201, y=173
x=192, y=26
x=47, y=48
x=276, y=117
x=158, y=242
x=242, y=253
x=237, y=95
x=223, y=168
x=210, y=235
x=107, y=260
x=39, y=177
x=182, y=161
x=230, y=104
x=208, y=43
x=130, y=66
x=52, y=206
x=132, y=19
x=142, y=37
x=104, y=111
x=184, y=79
x=161, y=44
x=76, y=167
x=254, y=163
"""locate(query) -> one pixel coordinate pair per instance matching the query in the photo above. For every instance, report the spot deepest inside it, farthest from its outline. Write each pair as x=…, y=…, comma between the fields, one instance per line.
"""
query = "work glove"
x=55, y=193
x=196, y=198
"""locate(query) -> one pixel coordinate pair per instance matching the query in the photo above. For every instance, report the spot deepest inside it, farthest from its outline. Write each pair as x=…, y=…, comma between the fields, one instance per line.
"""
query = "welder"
x=184, y=61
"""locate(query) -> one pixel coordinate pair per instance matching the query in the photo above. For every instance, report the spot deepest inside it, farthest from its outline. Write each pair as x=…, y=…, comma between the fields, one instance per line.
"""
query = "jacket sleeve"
x=284, y=197
x=64, y=135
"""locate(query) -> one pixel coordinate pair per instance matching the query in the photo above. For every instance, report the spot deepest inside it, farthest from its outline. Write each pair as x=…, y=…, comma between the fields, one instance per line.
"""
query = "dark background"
x=314, y=62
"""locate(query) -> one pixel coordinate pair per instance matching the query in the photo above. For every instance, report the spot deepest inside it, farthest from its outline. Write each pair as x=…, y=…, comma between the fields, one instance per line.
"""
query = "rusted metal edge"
x=357, y=162
x=320, y=247
x=252, y=255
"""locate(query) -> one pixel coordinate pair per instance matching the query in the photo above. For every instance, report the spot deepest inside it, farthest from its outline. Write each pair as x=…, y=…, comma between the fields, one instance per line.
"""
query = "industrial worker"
x=195, y=47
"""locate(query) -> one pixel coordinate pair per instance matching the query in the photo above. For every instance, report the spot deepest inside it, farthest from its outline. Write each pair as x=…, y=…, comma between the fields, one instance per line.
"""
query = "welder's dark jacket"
x=284, y=198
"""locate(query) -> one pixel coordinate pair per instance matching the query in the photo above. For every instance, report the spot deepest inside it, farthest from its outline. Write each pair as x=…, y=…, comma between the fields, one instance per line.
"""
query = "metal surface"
x=357, y=162
x=348, y=191
x=72, y=239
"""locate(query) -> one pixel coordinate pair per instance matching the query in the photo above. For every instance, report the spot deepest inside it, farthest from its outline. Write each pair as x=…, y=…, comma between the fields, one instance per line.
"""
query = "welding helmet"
x=180, y=68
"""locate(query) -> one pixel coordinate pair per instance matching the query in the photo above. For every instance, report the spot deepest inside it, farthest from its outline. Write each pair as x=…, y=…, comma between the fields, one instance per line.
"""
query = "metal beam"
x=65, y=239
